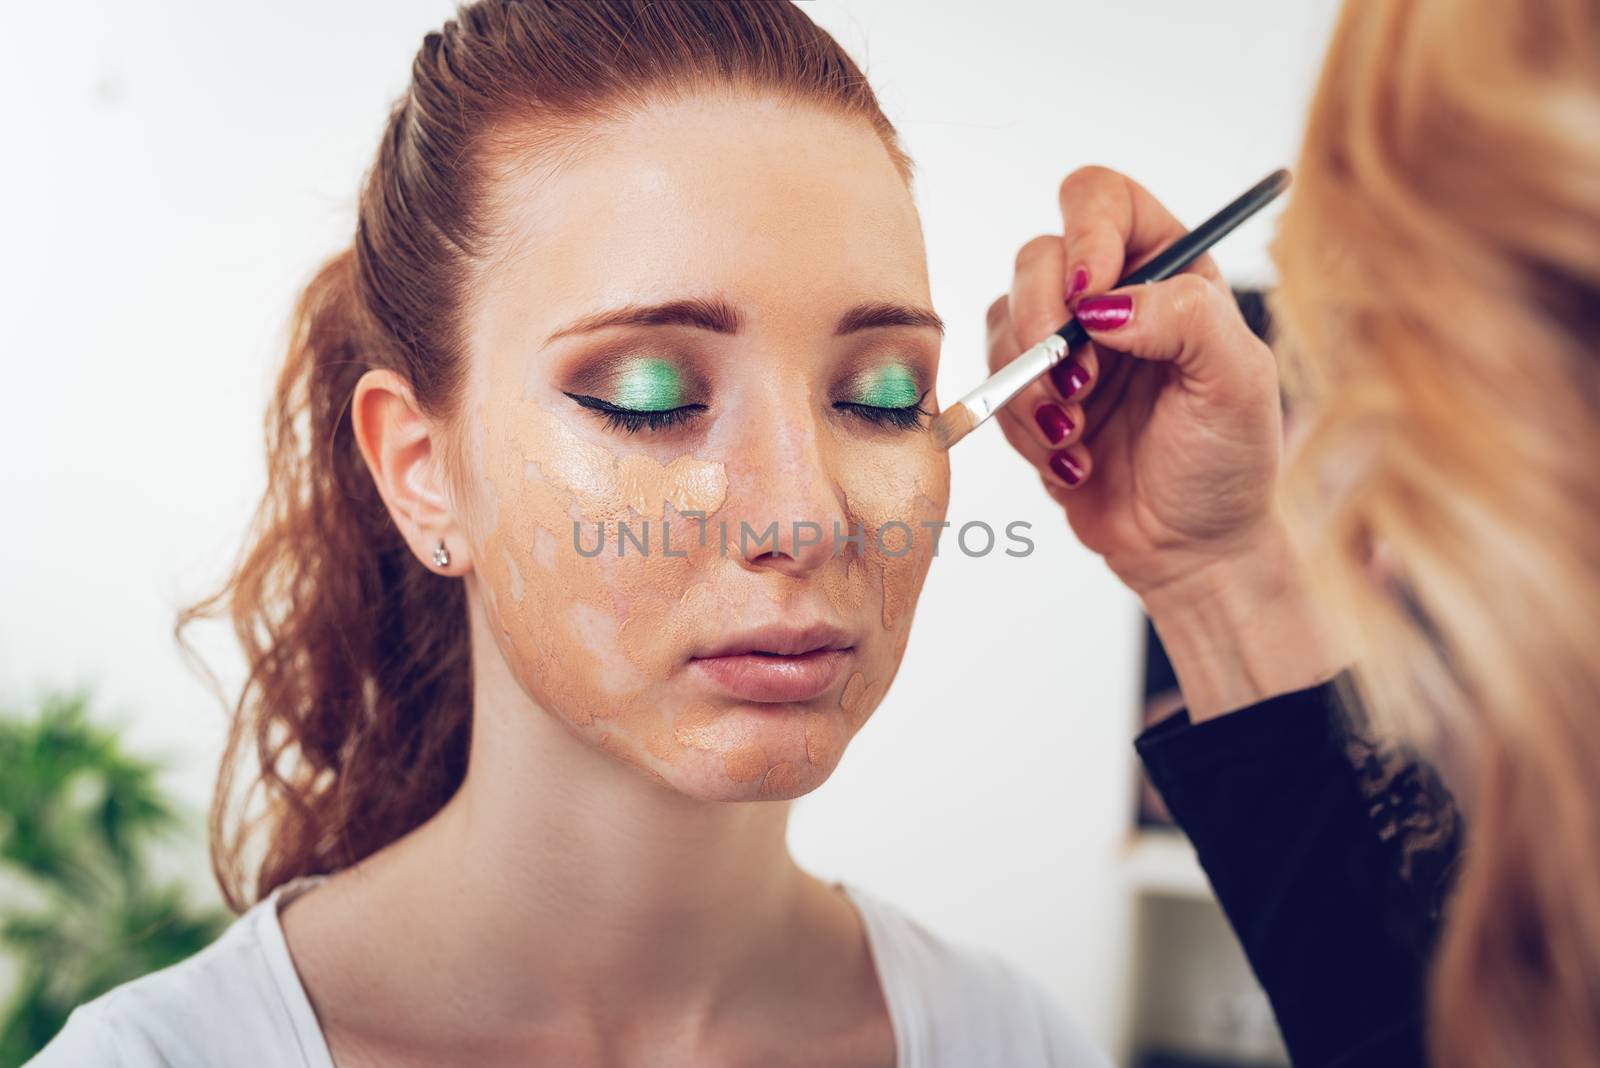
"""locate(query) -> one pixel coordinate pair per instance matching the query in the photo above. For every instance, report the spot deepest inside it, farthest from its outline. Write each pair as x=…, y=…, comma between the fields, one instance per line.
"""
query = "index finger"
x=1112, y=224
x=1037, y=308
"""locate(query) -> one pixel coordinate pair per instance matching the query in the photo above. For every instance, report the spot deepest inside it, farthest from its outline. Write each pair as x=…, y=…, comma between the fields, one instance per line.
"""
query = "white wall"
x=176, y=169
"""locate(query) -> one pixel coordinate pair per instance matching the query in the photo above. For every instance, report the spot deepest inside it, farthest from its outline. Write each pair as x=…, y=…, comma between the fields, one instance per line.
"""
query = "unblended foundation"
x=598, y=640
x=689, y=485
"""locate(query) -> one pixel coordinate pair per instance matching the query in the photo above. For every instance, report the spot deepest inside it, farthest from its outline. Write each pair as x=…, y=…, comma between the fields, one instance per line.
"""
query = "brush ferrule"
x=1014, y=377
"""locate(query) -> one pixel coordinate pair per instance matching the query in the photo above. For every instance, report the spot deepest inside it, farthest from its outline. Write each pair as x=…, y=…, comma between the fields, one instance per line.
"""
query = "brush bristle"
x=949, y=427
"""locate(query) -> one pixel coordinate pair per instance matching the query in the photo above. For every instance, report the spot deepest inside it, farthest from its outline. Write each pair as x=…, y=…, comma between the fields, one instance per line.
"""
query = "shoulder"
x=956, y=1004
x=218, y=1008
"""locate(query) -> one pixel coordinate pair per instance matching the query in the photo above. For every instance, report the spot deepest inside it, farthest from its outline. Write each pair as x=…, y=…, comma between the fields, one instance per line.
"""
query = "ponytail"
x=358, y=697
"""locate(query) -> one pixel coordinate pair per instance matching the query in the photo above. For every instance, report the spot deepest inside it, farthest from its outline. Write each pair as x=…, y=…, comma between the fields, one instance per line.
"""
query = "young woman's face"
x=776, y=381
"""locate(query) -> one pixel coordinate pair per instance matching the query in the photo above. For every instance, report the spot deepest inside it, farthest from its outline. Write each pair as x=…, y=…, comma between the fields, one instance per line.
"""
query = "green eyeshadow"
x=649, y=385
x=889, y=386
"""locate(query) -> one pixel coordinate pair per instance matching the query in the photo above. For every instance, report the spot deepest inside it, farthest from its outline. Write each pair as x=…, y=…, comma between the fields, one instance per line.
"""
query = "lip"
x=777, y=663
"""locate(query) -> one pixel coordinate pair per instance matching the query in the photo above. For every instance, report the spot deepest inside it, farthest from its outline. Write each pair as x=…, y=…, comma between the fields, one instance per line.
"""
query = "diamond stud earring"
x=441, y=555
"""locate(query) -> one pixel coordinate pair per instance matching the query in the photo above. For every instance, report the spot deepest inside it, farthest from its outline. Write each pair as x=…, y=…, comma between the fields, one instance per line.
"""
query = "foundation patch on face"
x=688, y=484
x=820, y=734
x=892, y=502
x=859, y=699
x=869, y=702
x=845, y=584
x=640, y=632
x=900, y=646
x=900, y=574
x=615, y=748
x=658, y=744
x=602, y=485
x=850, y=700
x=516, y=576
x=746, y=762
x=597, y=634
x=783, y=779
x=694, y=729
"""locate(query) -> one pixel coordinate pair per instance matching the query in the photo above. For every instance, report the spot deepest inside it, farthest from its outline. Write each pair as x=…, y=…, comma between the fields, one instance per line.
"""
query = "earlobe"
x=397, y=443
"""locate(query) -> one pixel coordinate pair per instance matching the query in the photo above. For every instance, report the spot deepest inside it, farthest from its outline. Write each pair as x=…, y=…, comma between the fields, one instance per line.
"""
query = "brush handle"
x=1194, y=244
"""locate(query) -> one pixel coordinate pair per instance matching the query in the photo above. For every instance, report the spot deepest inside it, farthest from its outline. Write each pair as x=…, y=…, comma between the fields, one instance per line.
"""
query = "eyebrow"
x=717, y=315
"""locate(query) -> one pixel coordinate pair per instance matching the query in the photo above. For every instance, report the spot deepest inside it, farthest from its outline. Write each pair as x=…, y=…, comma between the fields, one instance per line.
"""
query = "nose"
x=788, y=507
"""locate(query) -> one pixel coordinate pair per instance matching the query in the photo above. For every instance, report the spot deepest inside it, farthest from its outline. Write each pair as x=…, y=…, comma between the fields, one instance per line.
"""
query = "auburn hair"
x=1439, y=313
x=353, y=723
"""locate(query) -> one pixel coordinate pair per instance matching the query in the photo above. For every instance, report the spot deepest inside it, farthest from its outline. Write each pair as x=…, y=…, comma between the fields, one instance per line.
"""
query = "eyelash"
x=630, y=420
x=907, y=418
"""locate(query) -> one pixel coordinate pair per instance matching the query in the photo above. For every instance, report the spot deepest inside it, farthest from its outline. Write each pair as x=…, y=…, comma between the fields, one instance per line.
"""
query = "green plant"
x=78, y=814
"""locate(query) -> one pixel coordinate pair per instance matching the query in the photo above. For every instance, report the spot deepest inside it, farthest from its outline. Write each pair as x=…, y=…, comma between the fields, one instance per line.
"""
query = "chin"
x=743, y=752
x=784, y=784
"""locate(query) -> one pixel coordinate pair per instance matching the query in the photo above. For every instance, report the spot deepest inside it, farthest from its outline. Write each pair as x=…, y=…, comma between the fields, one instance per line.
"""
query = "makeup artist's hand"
x=1161, y=439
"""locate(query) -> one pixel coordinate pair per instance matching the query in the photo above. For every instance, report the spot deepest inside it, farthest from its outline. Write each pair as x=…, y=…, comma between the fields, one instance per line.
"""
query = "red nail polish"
x=1053, y=421
x=1069, y=472
x=1069, y=376
x=1080, y=282
x=1105, y=312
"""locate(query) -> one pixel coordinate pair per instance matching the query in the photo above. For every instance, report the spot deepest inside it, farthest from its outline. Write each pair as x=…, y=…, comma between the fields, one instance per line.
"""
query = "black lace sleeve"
x=1415, y=819
x=1332, y=857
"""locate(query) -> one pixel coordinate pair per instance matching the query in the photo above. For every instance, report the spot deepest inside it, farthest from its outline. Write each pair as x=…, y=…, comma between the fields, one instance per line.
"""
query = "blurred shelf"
x=1163, y=863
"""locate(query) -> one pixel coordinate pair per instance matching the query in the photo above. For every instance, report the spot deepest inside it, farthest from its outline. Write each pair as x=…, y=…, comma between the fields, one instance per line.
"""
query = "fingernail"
x=1080, y=282
x=1069, y=376
x=1105, y=312
x=1053, y=421
x=1069, y=472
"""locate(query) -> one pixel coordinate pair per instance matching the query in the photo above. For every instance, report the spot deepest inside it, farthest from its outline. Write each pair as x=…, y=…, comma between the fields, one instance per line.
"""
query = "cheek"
x=589, y=632
x=899, y=500
x=555, y=612
x=898, y=495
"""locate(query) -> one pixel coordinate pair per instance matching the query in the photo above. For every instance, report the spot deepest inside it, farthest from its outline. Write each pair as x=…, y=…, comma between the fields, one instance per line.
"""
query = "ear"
x=398, y=443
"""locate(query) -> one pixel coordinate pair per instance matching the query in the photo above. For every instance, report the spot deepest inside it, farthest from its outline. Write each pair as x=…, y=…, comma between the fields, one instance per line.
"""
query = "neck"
x=566, y=874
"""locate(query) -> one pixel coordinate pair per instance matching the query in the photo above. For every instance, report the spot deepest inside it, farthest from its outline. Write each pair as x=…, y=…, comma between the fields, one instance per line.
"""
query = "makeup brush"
x=961, y=418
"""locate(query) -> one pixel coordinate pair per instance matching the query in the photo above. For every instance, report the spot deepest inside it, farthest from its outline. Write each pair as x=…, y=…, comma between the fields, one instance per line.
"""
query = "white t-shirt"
x=239, y=1003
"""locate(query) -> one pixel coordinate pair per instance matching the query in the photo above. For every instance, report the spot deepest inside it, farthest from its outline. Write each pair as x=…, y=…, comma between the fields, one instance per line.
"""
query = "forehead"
x=790, y=211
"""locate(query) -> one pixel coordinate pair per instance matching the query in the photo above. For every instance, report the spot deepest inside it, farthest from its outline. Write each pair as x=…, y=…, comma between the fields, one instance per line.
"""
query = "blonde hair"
x=1439, y=311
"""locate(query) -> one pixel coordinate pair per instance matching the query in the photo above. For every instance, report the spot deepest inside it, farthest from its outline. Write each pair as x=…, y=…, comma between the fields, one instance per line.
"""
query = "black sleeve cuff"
x=1182, y=757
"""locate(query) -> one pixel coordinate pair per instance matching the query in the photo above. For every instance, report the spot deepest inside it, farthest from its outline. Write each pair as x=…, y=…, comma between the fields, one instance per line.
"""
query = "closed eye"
x=630, y=420
x=906, y=418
